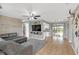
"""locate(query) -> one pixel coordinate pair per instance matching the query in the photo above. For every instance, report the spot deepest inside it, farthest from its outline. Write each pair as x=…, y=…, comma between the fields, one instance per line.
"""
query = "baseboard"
x=74, y=50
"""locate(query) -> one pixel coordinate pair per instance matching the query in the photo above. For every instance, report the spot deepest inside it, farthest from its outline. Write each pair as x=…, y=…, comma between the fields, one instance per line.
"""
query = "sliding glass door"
x=57, y=32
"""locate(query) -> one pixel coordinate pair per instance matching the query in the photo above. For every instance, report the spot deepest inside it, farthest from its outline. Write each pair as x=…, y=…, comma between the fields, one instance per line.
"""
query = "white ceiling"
x=51, y=12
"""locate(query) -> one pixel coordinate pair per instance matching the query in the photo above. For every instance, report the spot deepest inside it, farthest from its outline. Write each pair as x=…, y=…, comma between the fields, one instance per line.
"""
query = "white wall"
x=72, y=29
x=66, y=30
x=75, y=39
x=71, y=33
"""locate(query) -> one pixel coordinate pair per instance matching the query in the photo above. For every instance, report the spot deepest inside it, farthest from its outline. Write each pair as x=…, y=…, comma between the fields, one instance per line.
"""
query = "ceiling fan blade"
x=37, y=15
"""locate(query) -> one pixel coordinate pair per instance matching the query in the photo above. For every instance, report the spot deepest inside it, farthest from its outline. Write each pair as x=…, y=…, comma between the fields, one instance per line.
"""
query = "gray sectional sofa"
x=10, y=44
x=12, y=48
x=13, y=37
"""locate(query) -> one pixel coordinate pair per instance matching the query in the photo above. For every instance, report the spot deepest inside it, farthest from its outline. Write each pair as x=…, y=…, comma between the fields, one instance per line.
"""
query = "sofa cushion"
x=8, y=47
x=1, y=53
x=3, y=35
x=2, y=39
x=12, y=48
x=8, y=35
x=20, y=39
x=37, y=44
x=12, y=34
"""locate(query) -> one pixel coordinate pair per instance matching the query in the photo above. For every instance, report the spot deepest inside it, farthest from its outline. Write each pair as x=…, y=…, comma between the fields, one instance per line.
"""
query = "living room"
x=38, y=29
x=21, y=31
x=12, y=30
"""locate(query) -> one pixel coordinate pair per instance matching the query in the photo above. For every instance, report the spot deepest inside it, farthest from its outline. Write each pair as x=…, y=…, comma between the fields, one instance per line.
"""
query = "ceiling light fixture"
x=31, y=15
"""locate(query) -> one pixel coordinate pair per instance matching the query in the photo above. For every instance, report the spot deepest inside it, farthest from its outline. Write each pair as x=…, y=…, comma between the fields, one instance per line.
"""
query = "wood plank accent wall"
x=9, y=25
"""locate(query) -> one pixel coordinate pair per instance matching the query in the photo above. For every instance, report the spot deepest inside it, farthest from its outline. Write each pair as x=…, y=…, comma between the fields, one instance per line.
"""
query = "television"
x=36, y=27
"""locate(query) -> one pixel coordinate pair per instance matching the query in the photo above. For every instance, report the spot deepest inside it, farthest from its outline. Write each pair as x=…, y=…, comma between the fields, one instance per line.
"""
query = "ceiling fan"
x=31, y=15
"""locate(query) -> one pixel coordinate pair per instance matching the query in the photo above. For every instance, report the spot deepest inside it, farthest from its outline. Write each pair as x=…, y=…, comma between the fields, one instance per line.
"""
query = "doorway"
x=26, y=29
x=57, y=32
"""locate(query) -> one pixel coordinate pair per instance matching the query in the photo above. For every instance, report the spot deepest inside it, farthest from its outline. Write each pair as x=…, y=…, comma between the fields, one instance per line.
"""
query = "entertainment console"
x=36, y=29
x=36, y=32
